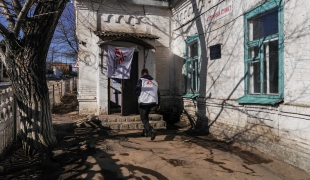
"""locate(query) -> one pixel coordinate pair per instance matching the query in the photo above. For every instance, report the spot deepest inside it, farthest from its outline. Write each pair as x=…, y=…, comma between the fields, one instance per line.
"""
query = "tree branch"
x=6, y=11
x=66, y=36
x=21, y=16
x=17, y=6
x=4, y=31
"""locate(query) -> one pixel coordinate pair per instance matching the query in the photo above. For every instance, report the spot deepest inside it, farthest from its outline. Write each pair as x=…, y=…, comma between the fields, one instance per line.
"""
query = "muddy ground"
x=86, y=150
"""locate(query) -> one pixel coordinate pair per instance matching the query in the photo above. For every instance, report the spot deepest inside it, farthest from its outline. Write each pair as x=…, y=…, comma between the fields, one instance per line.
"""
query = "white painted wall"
x=283, y=130
x=119, y=17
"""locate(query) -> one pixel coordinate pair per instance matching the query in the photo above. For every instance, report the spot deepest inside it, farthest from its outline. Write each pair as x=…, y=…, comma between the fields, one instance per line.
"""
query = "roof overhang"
x=136, y=38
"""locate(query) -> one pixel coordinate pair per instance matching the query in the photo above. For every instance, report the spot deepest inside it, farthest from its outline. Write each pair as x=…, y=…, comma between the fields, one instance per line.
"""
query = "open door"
x=129, y=98
x=115, y=96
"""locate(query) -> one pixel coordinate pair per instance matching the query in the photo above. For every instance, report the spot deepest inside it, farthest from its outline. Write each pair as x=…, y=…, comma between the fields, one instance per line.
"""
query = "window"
x=215, y=52
x=264, y=54
x=192, y=66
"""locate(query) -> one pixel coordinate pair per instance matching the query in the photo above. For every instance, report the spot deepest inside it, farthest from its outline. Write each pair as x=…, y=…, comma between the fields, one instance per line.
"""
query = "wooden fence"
x=9, y=114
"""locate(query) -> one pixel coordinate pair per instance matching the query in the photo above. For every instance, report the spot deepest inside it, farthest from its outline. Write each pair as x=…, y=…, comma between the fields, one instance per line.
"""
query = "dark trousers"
x=144, y=115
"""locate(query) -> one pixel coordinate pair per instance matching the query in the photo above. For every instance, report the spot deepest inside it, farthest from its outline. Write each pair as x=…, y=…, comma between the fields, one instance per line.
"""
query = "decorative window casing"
x=264, y=54
x=192, y=66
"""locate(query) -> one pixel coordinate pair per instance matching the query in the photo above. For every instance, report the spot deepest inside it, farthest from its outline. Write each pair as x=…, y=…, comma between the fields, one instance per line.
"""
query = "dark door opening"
x=129, y=98
x=122, y=97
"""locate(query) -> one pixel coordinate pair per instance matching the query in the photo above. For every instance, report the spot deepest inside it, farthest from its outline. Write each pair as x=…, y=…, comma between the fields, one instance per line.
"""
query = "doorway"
x=122, y=97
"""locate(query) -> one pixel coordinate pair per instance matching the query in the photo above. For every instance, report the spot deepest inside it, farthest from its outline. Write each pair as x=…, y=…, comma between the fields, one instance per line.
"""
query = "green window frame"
x=263, y=54
x=192, y=67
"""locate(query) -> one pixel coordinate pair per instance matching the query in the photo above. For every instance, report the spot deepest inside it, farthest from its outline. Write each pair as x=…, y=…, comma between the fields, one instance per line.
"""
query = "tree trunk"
x=25, y=62
x=29, y=85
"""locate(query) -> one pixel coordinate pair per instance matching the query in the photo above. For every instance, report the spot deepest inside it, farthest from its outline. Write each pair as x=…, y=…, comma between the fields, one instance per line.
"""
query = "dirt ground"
x=86, y=150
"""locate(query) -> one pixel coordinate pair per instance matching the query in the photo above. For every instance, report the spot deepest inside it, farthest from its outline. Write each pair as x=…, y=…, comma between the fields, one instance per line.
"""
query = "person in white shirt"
x=148, y=97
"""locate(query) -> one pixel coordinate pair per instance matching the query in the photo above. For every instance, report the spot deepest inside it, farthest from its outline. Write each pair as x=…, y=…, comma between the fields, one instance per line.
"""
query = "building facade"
x=237, y=69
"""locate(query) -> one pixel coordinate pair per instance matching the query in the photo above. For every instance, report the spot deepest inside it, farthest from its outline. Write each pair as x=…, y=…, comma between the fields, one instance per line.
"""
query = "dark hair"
x=144, y=71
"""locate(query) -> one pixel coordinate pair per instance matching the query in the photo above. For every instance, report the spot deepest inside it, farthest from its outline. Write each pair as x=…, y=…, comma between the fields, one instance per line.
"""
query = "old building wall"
x=281, y=130
x=143, y=17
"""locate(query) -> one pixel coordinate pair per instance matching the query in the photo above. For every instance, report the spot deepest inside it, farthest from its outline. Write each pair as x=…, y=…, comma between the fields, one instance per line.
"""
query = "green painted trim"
x=246, y=55
x=267, y=6
x=191, y=39
x=259, y=100
x=281, y=49
x=271, y=4
x=188, y=41
x=190, y=96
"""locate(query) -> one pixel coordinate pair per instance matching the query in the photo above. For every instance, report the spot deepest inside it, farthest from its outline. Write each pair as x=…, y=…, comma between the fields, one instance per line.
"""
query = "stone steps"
x=131, y=121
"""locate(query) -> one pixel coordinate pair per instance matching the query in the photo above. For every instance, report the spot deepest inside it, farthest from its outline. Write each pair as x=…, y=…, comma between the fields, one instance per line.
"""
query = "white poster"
x=119, y=62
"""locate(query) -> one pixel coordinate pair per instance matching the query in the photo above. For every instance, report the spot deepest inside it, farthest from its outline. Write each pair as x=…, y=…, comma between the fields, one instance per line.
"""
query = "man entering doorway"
x=148, y=97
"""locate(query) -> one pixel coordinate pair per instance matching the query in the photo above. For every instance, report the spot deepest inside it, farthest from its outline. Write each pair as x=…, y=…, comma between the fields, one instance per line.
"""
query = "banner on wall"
x=119, y=62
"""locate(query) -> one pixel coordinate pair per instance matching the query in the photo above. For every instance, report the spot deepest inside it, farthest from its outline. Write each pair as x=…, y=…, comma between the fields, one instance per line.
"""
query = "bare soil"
x=86, y=150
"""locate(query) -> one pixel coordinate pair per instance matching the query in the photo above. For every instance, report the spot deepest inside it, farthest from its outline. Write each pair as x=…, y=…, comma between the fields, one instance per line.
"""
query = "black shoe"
x=153, y=134
x=144, y=133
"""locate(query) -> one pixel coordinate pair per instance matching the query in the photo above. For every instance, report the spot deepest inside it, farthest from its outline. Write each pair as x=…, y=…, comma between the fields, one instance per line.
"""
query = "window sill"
x=259, y=100
x=190, y=96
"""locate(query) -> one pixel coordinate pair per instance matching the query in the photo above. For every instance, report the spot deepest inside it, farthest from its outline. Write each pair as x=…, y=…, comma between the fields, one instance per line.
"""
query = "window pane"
x=195, y=76
x=263, y=25
x=194, y=50
x=254, y=77
x=271, y=67
x=253, y=52
x=188, y=77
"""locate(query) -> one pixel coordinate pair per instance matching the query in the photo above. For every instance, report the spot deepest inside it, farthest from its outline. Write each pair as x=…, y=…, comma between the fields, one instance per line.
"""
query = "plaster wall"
x=281, y=130
x=119, y=17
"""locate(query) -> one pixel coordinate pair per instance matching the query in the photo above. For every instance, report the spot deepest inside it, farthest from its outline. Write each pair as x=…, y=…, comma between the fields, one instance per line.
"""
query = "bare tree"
x=27, y=28
x=64, y=42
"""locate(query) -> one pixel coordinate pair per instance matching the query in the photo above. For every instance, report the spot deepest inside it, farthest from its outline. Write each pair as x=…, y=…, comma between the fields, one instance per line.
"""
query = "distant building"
x=63, y=66
x=57, y=72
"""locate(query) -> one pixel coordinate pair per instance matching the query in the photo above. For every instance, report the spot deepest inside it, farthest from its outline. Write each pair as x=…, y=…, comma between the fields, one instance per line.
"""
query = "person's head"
x=144, y=72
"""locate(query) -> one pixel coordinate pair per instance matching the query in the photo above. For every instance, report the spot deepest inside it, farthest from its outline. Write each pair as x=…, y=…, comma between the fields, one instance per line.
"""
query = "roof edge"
x=125, y=34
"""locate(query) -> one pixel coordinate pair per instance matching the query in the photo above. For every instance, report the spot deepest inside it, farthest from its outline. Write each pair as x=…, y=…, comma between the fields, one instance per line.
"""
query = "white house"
x=237, y=69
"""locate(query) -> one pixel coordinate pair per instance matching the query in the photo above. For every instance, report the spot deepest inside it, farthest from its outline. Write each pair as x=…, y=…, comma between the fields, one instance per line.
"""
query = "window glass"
x=194, y=50
x=263, y=25
x=188, y=77
x=254, y=77
x=195, y=75
x=253, y=52
x=271, y=67
x=192, y=66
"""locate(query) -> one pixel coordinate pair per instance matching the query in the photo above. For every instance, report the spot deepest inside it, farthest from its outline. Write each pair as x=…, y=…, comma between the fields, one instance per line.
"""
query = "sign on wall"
x=220, y=11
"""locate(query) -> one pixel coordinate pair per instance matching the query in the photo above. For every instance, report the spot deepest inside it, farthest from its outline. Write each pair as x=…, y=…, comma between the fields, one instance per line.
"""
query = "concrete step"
x=133, y=125
x=130, y=118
